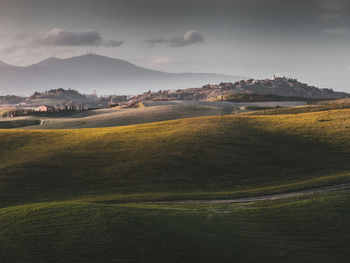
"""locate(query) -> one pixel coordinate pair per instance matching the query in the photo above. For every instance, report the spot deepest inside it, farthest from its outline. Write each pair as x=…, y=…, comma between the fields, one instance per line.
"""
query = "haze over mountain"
x=93, y=72
x=2, y=64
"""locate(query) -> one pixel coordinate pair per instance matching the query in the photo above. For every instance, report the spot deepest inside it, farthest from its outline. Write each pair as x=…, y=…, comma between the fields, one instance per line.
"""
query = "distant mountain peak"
x=93, y=55
x=90, y=57
x=49, y=61
x=90, y=72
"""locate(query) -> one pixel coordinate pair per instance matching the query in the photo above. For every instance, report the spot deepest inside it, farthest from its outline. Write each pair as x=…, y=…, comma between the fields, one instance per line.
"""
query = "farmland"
x=101, y=194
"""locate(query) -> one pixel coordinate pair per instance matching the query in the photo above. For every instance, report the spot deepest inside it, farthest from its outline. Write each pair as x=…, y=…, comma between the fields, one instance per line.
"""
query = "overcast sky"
x=308, y=40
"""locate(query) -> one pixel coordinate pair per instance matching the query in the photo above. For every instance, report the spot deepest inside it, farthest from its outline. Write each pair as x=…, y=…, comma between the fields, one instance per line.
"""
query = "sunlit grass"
x=208, y=156
x=76, y=195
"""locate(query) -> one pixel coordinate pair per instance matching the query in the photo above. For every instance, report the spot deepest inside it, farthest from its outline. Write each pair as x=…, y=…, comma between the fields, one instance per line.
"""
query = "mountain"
x=49, y=61
x=93, y=72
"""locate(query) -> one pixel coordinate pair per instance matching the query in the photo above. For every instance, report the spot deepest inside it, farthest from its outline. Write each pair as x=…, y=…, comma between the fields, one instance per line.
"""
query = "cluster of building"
x=278, y=86
x=58, y=108
x=212, y=91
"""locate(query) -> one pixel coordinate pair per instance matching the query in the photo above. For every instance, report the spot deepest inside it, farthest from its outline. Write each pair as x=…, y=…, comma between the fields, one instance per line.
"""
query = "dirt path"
x=257, y=198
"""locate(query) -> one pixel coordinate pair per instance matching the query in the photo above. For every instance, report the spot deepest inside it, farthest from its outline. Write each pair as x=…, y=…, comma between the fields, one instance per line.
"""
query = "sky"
x=308, y=39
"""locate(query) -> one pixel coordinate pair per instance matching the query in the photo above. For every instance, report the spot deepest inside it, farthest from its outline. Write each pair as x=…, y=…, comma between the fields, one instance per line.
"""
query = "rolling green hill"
x=77, y=195
x=209, y=154
x=314, y=229
x=121, y=117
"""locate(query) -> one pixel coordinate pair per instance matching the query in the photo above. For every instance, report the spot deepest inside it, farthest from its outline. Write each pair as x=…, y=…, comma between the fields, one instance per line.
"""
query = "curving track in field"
x=257, y=198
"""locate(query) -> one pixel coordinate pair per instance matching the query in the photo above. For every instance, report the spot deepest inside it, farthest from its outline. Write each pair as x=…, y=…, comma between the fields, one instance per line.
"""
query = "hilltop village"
x=278, y=86
x=60, y=100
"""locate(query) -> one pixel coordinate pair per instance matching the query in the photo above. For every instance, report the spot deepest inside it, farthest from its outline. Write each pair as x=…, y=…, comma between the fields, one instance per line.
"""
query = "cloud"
x=152, y=42
x=330, y=17
x=9, y=49
x=60, y=37
x=191, y=37
x=161, y=60
x=21, y=36
x=113, y=43
x=335, y=5
x=338, y=31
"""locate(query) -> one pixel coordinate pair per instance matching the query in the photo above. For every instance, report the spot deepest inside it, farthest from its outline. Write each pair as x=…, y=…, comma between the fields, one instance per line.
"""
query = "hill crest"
x=278, y=86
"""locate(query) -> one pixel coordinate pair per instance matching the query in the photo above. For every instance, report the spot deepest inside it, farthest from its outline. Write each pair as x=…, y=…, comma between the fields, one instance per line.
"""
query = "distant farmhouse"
x=46, y=108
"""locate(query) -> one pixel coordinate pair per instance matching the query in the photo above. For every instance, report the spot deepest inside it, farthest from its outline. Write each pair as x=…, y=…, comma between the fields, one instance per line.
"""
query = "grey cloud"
x=21, y=36
x=338, y=31
x=154, y=41
x=336, y=5
x=60, y=37
x=191, y=37
x=9, y=49
x=113, y=43
x=330, y=17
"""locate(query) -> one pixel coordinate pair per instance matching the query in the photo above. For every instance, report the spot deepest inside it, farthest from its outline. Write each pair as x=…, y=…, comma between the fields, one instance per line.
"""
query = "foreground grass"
x=313, y=229
x=217, y=156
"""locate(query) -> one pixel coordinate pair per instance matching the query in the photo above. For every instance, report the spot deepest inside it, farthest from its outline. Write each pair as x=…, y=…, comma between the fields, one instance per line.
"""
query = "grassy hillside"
x=331, y=105
x=217, y=156
x=120, y=117
x=77, y=195
x=314, y=229
x=247, y=97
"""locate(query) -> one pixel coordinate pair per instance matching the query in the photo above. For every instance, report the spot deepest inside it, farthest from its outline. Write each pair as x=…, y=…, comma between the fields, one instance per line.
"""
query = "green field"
x=297, y=230
x=220, y=155
x=121, y=117
x=77, y=195
x=320, y=106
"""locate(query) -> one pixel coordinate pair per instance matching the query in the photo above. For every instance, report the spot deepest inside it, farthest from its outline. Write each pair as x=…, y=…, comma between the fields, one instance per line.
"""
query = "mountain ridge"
x=91, y=72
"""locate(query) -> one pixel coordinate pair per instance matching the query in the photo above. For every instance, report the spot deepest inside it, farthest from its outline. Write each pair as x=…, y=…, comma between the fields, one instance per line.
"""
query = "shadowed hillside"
x=83, y=195
x=312, y=229
x=175, y=157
